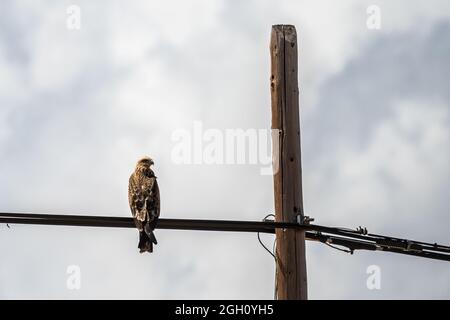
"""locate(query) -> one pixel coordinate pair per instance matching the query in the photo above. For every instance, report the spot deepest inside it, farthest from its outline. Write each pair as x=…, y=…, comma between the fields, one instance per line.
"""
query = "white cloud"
x=81, y=106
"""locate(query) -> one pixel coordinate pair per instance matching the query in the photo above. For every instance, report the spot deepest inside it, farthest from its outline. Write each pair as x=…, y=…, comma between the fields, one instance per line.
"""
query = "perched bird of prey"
x=143, y=196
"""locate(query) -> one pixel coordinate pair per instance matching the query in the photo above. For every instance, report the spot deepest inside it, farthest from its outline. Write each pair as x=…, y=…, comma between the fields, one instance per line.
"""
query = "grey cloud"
x=74, y=143
x=354, y=106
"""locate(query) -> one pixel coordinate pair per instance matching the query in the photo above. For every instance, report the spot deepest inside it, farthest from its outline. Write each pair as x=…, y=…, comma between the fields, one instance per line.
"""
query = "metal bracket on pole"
x=304, y=220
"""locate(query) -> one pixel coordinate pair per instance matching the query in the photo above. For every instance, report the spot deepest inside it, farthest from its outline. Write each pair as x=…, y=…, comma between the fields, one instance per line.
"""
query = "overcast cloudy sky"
x=79, y=107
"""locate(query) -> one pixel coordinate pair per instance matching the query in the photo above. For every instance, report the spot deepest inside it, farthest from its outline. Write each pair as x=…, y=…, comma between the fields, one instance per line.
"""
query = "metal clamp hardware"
x=304, y=220
x=362, y=230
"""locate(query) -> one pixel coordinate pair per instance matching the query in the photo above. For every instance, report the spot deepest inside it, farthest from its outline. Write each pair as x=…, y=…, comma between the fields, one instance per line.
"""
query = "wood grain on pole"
x=291, y=266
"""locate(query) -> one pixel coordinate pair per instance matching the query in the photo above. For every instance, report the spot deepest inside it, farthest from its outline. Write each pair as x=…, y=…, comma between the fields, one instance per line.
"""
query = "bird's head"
x=144, y=163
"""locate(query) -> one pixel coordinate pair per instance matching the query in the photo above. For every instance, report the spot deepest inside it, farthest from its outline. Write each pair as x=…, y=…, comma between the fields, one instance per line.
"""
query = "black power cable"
x=351, y=239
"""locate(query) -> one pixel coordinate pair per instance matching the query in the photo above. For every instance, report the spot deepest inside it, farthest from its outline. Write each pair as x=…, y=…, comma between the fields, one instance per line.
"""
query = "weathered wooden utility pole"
x=291, y=266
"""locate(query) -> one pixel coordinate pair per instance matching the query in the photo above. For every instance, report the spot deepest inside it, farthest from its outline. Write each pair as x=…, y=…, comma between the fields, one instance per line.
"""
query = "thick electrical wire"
x=339, y=249
x=358, y=239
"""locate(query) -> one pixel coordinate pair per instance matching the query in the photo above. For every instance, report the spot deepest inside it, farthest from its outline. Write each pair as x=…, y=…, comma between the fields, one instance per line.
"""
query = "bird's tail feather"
x=149, y=231
x=152, y=238
x=145, y=243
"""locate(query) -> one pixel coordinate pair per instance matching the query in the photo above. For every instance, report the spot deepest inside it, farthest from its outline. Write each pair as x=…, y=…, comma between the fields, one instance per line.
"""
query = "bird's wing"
x=156, y=199
x=135, y=200
x=131, y=194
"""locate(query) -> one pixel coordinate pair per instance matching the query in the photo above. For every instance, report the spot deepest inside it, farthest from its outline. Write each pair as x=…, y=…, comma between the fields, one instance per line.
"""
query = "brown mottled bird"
x=143, y=196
